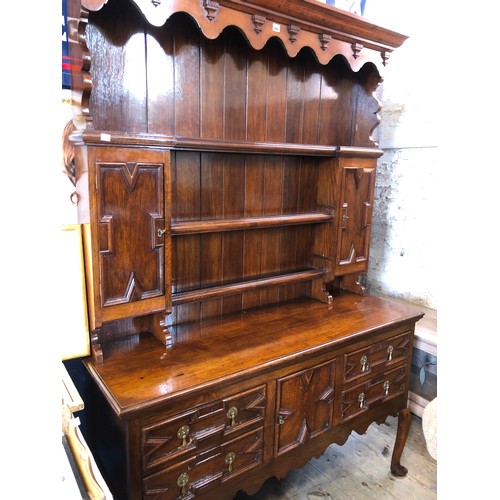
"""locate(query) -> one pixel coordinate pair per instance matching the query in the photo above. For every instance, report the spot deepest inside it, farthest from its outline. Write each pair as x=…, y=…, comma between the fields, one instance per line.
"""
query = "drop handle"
x=364, y=363
x=182, y=482
x=183, y=433
x=161, y=232
x=386, y=387
x=390, y=350
x=230, y=458
x=231, y=415
x=361, y=400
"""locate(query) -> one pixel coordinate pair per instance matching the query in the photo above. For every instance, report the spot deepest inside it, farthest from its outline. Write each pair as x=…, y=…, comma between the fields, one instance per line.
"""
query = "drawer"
x=377, y=357
x=184, y=434
x=197, y=475
x=378, y=389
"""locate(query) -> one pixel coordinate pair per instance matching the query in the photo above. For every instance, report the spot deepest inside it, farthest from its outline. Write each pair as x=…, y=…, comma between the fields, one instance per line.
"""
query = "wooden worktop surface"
x=139, y=371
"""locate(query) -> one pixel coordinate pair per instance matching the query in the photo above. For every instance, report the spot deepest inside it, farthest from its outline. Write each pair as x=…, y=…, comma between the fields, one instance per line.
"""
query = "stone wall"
x=404, y=252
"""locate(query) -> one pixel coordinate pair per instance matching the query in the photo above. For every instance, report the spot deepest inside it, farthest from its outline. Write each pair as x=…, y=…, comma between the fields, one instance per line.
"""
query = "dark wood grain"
x=232, y=172
x=205, y=352
x=220, y=97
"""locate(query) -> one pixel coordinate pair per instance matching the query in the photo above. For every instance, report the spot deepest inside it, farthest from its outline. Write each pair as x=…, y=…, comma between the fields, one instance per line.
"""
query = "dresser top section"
x=138, y=372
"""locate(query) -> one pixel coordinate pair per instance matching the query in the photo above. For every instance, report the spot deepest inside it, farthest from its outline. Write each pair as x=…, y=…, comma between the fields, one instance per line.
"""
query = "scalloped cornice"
x=326, y=30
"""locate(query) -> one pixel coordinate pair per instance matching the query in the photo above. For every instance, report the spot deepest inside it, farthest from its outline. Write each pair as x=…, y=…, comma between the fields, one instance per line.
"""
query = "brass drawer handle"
x=183, y=433
x=390, y=350
x=230, y=458
x=386, y=387
x=364, y=363
x=182, y=482
x=231, y=415
x=361, y=400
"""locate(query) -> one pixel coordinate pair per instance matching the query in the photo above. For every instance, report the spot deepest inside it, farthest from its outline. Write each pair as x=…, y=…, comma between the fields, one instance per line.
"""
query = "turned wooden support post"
x=404, y=422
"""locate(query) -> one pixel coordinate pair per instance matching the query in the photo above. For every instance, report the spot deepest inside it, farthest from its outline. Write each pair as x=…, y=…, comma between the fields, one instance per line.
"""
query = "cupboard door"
x=355, y=215
x=129, y=194
x=304, y=406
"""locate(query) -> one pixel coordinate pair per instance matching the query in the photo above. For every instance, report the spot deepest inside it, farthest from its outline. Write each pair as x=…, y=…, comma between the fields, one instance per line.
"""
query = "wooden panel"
x=212, y=167
x=235, y=85
x=212, y=174
x=186, y=252
x=257, y=99
x=358, y=182
x=290, y=239
x=254, y=240
x=186, y=79
x=233, y=243
x=329, y=120
x=210, y=88
x=129, y=198
x=272, y=195
x=276, y=89
x=161, y=86
x=255, y=168
x=115, y=37
x=304, y=406
x=312, y=100
x=212, y=60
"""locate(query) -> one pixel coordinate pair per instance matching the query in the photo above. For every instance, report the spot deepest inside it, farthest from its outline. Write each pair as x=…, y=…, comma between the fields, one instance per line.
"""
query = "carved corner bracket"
x=324, y=41
x=212, y=8
x=293, y=31
x=258, y=22
x=356, y=49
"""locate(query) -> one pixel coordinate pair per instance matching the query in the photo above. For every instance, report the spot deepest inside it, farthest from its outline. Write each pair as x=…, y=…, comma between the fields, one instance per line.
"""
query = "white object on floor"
x=429, y=427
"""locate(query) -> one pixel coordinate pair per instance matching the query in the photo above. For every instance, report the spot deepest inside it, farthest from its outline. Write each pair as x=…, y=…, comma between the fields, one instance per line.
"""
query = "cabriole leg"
x=404, y=422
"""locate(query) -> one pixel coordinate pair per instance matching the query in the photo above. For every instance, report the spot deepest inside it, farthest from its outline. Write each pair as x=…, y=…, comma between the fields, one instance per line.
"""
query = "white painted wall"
x=403, y=260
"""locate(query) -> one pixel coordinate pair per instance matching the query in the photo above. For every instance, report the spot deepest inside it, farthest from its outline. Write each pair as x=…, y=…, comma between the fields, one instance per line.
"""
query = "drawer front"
x=383, y=387
x=199, y=474
x=377, y=357
x=208, y=425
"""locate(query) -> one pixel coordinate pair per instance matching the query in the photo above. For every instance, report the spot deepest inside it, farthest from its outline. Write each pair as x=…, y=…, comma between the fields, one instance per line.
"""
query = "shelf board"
x=211, y=145
x=245, y=286
x=235, y=224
